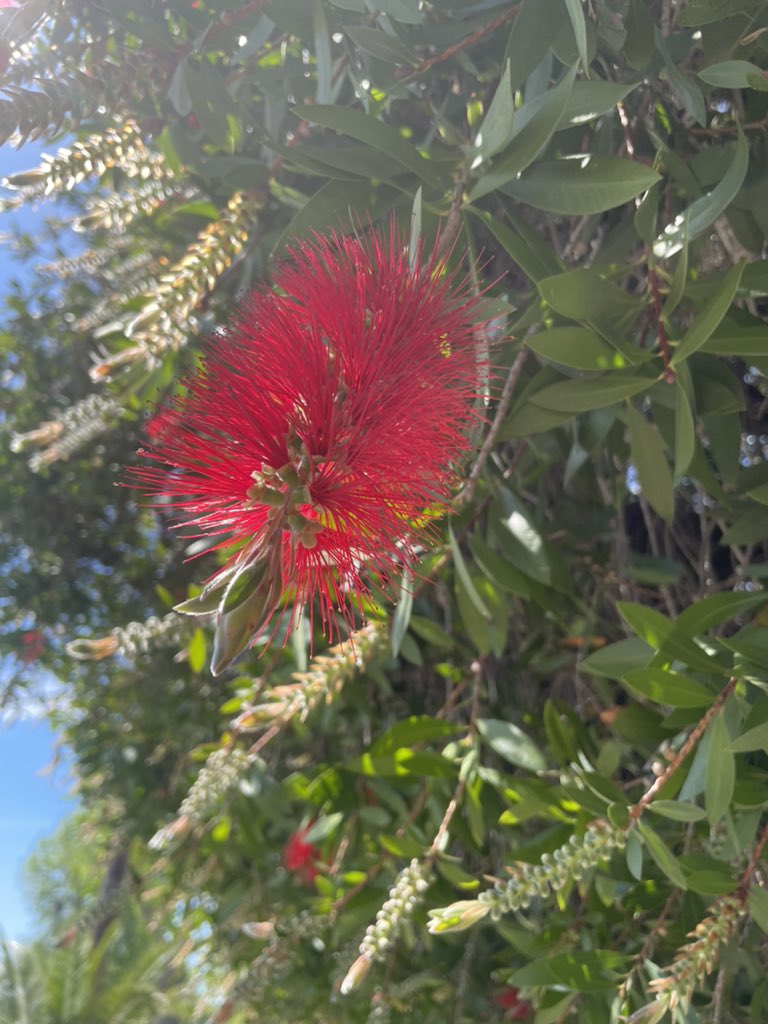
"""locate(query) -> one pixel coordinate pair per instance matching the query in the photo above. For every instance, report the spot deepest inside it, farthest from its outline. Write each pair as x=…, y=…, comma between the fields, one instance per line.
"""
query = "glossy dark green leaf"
x=581, y=184
x=381, y=45
x=666, y=687
x=650, y=461
x=662, y=855
x=721, y=771
x=594, y=971
x=374, y=133
x=584, y=393
x=705, y=210
x=415, y=729
x=710, y=316
x=615, y=660
x=511, y=743
x=677, y=810
x=402, y=616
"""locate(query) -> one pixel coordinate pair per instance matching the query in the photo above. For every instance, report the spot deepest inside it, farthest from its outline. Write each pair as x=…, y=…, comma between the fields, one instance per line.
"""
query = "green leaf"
x=339, y=204
x=456, y=875
x=580, y=184
x=576, y=14
x=650, y=461
x=685, y=428
x=752, y=739
x=671, y=688
x=634, y=855
x=462, y=574
x=584, y=393
x=534, y=264
x=512, y=744
x=592, y=971
x=374, y=133
x=711, y=611
x=730, y=74
x=520, y=539
x=402, y=615
x=381, y=45
x=495, y=129
x=402, y=763
x=197, y=651
x=530, y=37
x=662, y=855
x=576, y=347
x=721, y=771
x=647, y=213
x=325, y=826
x=202, y=604
x=710, y=316
x=685, y=87
x=178, y=93
x=757, y=900
x=429, y=631
x=615, y=660
x=705, y=210
x=534, y=125
x=591, y=99
x=677, y=810
x=415, y=729
x=640, y=43
x=649, y=624
x=589, y=297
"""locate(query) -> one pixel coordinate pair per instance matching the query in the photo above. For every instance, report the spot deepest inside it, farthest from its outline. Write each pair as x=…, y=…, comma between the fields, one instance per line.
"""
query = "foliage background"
x=561, y=738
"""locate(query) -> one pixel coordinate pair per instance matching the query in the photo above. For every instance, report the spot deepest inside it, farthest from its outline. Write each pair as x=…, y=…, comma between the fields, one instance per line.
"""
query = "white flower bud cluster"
x=220, y=773
x=135, y=638
x=75, y=427
x=555, y=870
x=121, y=146
x=404, y=897
x=116, y=211
x=325, y=677
x=697, y=959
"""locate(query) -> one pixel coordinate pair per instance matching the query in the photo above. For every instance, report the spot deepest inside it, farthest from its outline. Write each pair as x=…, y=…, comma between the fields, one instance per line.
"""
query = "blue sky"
x=31, y=803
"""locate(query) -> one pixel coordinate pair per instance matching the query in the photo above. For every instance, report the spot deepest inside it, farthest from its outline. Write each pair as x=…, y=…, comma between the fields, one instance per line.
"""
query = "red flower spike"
x=33, y=645
x=299, y=857
x=515, y=1008
x=321, y=426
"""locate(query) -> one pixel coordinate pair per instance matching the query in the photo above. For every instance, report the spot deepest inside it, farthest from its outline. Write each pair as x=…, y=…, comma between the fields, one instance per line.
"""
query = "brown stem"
x=467, y=493
x=455, y=801
x=695, y=735
x=746, y=878
x=470, y=40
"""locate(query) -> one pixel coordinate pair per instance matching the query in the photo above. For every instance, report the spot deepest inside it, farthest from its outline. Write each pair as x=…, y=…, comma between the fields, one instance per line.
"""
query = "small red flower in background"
x=515, y=1008
x=324, y=422
x=300, y=857
x=33, y=642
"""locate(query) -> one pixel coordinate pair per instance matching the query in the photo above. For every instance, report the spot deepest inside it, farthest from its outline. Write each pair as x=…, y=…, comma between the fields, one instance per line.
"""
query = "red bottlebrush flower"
x=322, y=425
x=514, y=1007
x=33, y=642
x=300, y=857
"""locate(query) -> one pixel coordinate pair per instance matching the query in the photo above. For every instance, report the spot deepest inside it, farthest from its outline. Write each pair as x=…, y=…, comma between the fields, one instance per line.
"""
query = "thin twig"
x=455, y=801
x=470, y=40
x=467, y=492
x=695, y=735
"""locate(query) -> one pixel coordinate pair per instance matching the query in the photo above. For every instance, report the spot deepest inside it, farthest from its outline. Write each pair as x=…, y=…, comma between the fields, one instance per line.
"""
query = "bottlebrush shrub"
x=320, y=427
